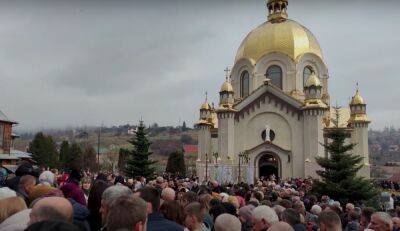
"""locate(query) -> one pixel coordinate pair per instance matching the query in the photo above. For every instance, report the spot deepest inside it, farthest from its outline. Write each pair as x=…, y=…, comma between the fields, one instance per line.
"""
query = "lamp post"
x=243, y=158
x=206, y=167
x=215, y=155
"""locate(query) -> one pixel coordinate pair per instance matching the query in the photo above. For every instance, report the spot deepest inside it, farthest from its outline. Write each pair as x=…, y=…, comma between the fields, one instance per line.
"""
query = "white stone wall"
x=288, y=129
x=204, y=142
x=359, y=137
x=313, y=138
x=226, y=134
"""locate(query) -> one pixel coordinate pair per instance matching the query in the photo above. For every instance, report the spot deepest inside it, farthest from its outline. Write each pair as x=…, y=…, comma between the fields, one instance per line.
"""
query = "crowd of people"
x=49, y=200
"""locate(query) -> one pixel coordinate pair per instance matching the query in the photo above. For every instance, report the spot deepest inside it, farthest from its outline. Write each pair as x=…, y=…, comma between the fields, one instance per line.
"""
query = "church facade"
x=274, y=108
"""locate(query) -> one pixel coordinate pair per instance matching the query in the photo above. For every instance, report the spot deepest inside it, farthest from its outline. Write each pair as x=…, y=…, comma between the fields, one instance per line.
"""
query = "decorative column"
x=359, y=136
x=226, y=122
x=204, y=126
x=313, y=113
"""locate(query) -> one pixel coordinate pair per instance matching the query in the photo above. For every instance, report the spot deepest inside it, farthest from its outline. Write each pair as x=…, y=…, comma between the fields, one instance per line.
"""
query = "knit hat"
x=47, y=177
x=25, y=168
x=246, y=212
x=39, y=191
x=224, y=197
x=6, y=192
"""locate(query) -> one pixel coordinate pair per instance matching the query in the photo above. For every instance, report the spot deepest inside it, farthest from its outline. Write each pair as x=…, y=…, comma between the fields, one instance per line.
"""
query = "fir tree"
x=65, y=154
x=76, y=160
x=89, y=158
x=339, y=177
x=176, y=163
x=43, y=150
x=122, y=157
x=138, y=162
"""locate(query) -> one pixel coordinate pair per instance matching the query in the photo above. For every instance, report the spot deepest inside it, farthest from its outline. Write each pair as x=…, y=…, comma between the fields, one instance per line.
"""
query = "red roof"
x=395, y=177
x=190, y=148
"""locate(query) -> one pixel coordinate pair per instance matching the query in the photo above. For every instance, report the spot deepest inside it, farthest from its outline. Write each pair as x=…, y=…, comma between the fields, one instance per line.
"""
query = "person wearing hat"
x=6, y=192
x=23, y=169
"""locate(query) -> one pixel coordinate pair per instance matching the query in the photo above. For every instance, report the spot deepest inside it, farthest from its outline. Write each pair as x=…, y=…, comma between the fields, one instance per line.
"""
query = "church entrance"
x=268, y=166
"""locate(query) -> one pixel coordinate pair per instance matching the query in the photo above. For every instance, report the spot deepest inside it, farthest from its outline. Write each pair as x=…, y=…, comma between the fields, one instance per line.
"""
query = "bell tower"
x=314, y=110
x=359, y=122
x=226, y=120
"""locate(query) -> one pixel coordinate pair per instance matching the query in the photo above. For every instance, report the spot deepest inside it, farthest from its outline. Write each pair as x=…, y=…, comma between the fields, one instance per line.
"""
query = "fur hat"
x=6, y=192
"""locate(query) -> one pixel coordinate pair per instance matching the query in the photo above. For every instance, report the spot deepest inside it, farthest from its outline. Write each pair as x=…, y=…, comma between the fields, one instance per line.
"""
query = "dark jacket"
x=52, y=225
x=156, y=222
x=353, y=226
x=247, y=226
x=299, y=227
x=81, y=214
x=21, y=193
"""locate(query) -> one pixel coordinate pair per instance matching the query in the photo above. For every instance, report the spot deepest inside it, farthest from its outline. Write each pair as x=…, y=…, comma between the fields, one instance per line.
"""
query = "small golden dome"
x=205, y=106
x=287, y=37
x=313, y=80
x=357, y=99
x=226, y=86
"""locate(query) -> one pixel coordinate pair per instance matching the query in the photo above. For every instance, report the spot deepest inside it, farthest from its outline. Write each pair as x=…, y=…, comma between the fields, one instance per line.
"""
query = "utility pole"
x=240, y=169
x=98, y=147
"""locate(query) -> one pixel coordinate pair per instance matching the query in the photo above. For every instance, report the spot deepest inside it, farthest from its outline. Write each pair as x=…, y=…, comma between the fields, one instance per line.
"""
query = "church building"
x=274, y=108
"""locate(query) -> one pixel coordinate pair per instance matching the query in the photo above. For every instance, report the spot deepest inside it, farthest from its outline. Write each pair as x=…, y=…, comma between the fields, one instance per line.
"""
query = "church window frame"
x=244, y=84
x=307, y=71
x=275, y=74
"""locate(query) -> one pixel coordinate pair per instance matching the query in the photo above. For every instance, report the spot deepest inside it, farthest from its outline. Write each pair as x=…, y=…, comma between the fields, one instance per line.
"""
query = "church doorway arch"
x=268, y=165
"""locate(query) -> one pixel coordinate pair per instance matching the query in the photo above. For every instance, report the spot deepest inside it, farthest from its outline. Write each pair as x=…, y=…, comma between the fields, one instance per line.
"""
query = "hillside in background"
x=108, y=140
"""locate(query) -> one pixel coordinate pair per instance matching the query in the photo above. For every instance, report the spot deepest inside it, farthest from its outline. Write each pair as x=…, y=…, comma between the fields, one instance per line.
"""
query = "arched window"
x=274, y=73
x=306, y=73
x=244, y=84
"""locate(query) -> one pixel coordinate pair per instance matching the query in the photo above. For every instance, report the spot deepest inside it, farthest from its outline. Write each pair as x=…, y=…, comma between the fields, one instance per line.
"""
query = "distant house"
x=8, y=155
x=190, y=148
x=131, y=131
x=394, y=148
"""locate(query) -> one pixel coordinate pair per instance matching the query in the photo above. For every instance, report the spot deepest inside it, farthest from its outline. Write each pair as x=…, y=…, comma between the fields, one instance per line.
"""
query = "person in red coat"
x=71, y=188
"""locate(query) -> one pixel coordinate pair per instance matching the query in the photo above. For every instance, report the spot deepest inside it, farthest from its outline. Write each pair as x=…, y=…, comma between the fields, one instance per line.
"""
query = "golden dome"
x=313, y=80
x=288, y=37
x=357, y=99
x=205, y=106
x=226, y=86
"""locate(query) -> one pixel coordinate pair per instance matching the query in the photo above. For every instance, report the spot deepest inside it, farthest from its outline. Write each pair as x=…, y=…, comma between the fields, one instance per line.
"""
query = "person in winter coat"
x=71, y=188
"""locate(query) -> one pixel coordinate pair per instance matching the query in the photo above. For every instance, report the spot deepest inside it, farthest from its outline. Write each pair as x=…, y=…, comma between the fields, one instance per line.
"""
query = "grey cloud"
x=91, y=62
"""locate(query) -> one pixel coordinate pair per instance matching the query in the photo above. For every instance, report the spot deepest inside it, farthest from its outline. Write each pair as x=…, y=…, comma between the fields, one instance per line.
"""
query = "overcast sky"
x=71, y=63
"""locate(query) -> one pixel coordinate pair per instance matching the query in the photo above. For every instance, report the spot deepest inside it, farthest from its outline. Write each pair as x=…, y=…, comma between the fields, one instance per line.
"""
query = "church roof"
x=288, y=37
x=270, y=88
x=226, y=86
x=270, y=145
x=357, y=99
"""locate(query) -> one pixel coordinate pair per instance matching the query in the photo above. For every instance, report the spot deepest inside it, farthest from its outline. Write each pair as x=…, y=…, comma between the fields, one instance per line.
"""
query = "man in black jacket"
x=155, y=220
